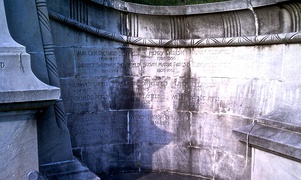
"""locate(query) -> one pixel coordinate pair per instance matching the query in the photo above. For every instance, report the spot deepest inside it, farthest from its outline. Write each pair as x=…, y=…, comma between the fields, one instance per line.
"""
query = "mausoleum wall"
x=163, y=90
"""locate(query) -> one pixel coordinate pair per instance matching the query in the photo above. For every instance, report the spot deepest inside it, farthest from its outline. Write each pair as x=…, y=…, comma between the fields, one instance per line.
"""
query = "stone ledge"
x=280, y=141
x=52, y=93
x=19, y=87
x=280, y=124
x=19, y=151
x=25, y=105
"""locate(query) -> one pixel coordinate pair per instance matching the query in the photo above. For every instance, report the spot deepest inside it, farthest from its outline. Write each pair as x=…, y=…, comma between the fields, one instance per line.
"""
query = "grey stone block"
x=178, y=105
x=98, y=128
x=66, y=68
x=85, y=94
x=29, y=24
x=19, y=83
x=279, y=167
x=19, y=146
x=162, y=127
x=214, y=131
x=121, y=157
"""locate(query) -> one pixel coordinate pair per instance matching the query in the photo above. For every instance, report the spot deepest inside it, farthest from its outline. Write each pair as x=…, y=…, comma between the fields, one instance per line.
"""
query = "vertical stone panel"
x=19, y=144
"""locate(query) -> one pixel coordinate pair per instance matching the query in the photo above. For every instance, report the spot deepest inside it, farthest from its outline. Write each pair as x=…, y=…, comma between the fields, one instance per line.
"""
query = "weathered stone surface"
x=21, y=94
x=194, y=105
x=19, y=147
x=18, y=83
x=282, y=141
x=180, y=10
x=29, y=24
x=7, y=42
x=72, y=169
x=85, y=94
x=271, y=166
x=161, y=127
x=192, y=84
x=33, y=39
x=92, y=129
x=176, y=107
x=121, y=157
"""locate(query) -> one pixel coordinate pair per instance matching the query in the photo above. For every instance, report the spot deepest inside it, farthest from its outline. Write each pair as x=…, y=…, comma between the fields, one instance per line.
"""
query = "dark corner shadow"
x=144, y=138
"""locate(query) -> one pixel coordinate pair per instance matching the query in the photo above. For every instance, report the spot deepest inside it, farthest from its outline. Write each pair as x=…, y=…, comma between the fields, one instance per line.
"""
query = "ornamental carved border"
x=293, y=37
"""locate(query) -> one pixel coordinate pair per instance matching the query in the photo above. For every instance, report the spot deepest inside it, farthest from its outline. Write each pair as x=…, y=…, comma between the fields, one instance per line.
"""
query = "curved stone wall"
x=245, y=26
x=232, y=5
x=163, y=92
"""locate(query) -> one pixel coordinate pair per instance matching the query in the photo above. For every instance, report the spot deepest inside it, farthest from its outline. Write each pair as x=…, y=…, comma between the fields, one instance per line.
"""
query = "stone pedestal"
x=18, y=152
x=21, y=97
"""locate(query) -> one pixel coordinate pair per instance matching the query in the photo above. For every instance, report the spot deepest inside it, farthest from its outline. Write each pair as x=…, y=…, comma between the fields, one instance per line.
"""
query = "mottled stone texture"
x=137, y=108
x=21, y=95
x=19, y=146
x=21, y=90
x=54, y=140
x=278, y=167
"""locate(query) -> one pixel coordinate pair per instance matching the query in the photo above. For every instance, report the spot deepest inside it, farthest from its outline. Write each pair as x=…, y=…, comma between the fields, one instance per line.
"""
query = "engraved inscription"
x=106, y=62
x=85, y=94
x=160, y=78
x=170, y=62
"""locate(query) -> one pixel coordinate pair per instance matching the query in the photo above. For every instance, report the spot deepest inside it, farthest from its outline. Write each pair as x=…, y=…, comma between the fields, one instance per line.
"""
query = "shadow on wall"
x=112, y=127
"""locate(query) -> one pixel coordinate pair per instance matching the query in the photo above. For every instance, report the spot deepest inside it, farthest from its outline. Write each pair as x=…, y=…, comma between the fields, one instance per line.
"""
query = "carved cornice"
x=232, y=5
x=294, y=10
x=294, y=37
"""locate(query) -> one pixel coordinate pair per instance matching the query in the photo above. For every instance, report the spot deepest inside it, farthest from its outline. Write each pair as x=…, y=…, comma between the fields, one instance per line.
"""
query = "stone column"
x=22, y=94
x=29, y=25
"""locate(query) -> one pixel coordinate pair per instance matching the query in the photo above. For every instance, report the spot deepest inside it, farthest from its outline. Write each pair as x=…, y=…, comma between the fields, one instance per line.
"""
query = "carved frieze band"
x=232, y=25
x=133, y=26
x=123, y=29
x=178, y=27
x=79, y=11
x=205, y=42
x=294, y=10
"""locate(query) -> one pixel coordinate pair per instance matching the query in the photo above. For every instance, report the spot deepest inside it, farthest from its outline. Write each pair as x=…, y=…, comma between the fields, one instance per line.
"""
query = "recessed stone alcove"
x=163, y=90
x=193, y=90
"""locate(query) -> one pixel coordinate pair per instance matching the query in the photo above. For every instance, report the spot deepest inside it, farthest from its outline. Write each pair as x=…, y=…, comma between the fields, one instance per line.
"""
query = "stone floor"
x=147, y=176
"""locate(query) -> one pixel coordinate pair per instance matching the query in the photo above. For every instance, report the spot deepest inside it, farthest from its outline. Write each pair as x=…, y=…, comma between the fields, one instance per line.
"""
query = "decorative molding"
x=133, y=25
x=79, y=11
x=178, y=27
x=123, y=24
x=217, y=7
x=205, y=42
x=294, y=10
x=50, y=59
x=232, y=25
x=251, y=8
x=275, y=140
